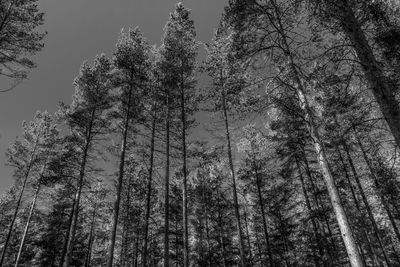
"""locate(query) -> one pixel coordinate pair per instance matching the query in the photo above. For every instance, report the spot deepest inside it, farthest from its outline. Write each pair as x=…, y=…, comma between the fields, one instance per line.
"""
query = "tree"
x=227, y=95
x=343, y=16
x=254, y=145
x=131, y=60
x=86, y=120
x=27, y=155
x=19, y=37
x=180, y=48
x=278, y=16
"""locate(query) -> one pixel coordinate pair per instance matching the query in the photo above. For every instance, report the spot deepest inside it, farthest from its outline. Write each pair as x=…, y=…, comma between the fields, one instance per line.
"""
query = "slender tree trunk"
x=124, y=242
x=135, y=263
x=382, y=90
x=221, y=234
x=21, y=246
x=313, y=223
x=246, y=225
x=366, y=204
x=176, y=243
x=320, y=206
x=120, y=178
x=10, y=228
x=66, y=238
x=262, y=208
x=260, y=254
x=166, y=202
x=235, y=197
x=344, y=226
x=364, y=228
x=72, y=231
x=184, y=191
x=149, y=190
x=207, y=228
x=91, y=237
x=377, y=185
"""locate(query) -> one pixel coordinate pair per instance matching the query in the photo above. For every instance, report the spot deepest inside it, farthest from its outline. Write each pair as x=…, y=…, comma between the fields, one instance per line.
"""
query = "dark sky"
x=79, y=30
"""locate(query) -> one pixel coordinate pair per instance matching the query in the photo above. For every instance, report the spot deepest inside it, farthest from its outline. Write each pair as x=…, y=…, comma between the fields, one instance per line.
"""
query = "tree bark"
x=246, y=225
x=21, y=246
x=72, y=230
x=120, y=178
x=366, y=204
x=331, y=250
x=221, y=234
x=344, y=226
x=262, y=209
x=65, y=245
x=10, y=228
x=382, y=90
x=378, y=187
x=364, y=228
x=91, y=237
x=235, y=197
x=149, y=190
x=166, y=202
x=184, y=191
x=313, y=223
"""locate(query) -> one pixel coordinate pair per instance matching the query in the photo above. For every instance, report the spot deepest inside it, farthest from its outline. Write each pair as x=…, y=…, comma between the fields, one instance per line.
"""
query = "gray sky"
x=79, y=30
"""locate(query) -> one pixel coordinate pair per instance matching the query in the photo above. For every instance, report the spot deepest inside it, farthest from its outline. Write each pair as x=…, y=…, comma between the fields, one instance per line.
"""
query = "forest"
x=279, y=147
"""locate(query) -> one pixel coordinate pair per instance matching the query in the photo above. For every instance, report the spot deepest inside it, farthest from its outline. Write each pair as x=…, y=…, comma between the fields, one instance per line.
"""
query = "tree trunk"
x=246, y=225
x=366, y=204
x=221, y=234
x=166, y=202
x=149, y=190
x=65, y=245
x=382, y=90
x=344, y=226
x=135, y=263
x=321, y=207
x=364, y=228
x=91, y=237
x=184, y=191
x=72, y=230
x=341, y=217
x=261, y=203
x=28, y=222
x=383, y=200
x=235, y=197
x=313, y=223
x=207, y=228
x=10, y=228
x=120, y=178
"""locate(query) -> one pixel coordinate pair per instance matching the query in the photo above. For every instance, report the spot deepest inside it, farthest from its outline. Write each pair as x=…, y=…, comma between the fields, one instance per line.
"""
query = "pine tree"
x=132, y=67
x=20, y=37
x=26, y=156
x=279, y=16
x=180, y=48
x=176, y=66
x=85, y=118
x=225, y=96
x=343, y=16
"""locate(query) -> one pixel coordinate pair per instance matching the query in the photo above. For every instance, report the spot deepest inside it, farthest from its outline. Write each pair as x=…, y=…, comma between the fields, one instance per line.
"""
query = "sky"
x=79, y=30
